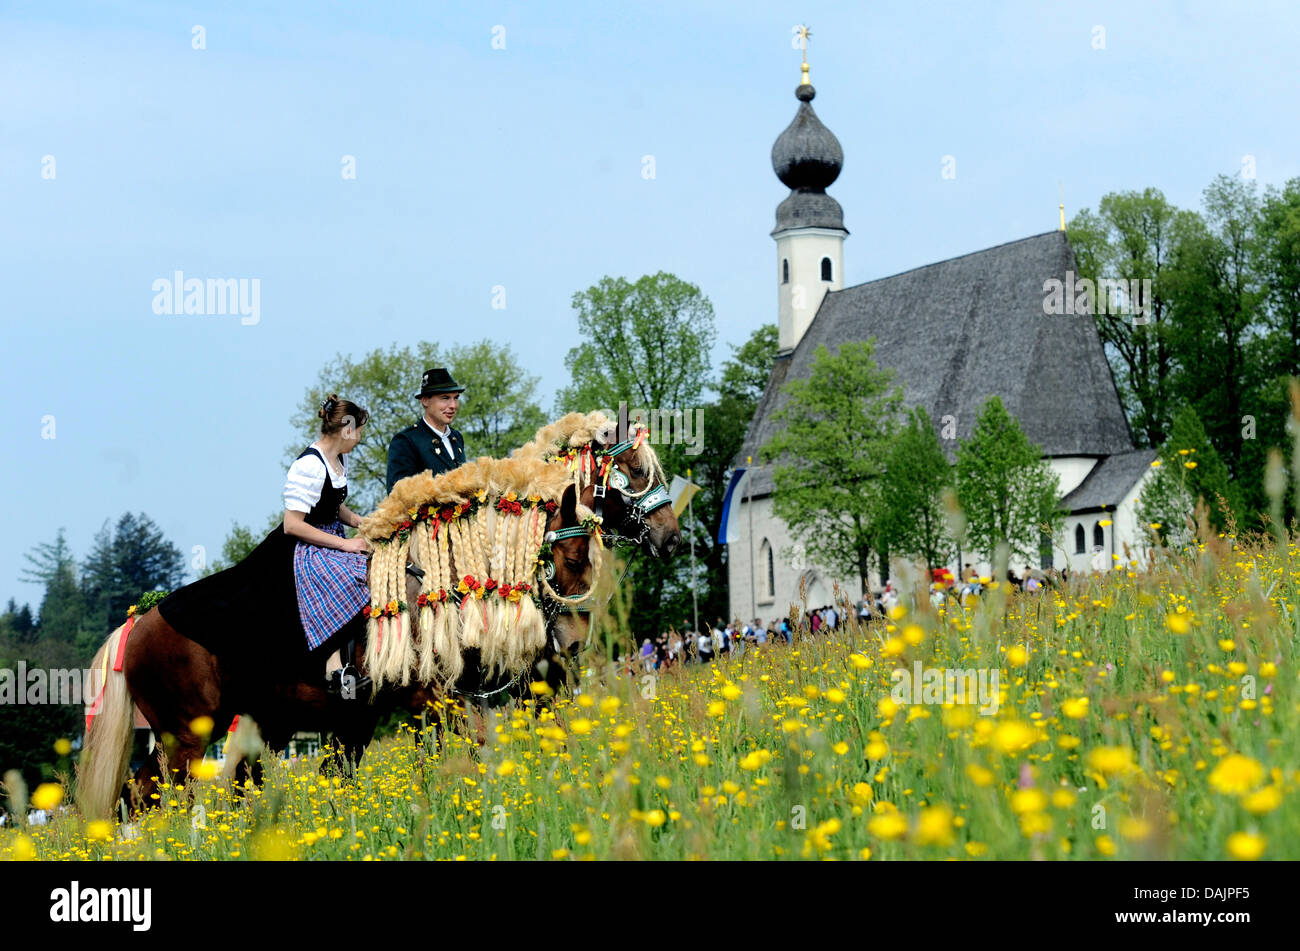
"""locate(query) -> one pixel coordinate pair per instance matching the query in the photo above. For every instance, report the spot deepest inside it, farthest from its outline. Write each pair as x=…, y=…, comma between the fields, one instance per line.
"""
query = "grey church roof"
x=1109, y=481
x=961, y=330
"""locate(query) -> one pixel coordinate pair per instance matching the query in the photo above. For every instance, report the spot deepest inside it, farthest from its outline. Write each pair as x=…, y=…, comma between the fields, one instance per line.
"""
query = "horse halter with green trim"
x=640, y=504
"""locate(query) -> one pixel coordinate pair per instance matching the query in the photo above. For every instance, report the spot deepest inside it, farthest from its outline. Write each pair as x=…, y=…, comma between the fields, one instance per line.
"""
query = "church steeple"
x=810, y=230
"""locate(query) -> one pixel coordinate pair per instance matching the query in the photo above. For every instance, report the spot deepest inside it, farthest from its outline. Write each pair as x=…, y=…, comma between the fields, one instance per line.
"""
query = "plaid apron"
x=331, y=585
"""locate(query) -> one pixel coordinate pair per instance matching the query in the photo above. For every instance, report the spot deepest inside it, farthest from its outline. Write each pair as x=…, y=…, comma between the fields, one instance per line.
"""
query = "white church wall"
x=1072, y=470
x=751, y=598
x=1127, y=526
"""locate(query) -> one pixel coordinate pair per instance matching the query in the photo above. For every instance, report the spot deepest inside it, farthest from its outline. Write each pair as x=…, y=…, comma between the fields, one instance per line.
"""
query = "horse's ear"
x=569, y=507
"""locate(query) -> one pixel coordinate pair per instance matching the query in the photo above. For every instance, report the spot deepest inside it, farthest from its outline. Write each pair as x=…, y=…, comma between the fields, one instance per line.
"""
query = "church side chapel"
x=954, y=333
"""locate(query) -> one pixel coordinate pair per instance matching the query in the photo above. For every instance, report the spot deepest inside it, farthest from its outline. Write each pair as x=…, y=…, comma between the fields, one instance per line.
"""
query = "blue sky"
x=519, y=167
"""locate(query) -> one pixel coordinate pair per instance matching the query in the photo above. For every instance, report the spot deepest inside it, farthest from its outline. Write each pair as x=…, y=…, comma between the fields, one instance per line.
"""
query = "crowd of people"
x=722, y=639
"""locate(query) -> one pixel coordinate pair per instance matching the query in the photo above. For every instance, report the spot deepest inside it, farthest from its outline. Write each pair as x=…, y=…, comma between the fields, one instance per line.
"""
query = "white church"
x=954, y=332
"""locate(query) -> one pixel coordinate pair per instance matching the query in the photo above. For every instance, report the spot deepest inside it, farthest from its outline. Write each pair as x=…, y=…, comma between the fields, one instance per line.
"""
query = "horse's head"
x=573, y=564
x=636, y=501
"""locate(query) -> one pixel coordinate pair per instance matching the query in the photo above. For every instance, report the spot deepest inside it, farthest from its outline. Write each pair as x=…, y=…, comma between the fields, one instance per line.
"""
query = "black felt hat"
x=438, y=380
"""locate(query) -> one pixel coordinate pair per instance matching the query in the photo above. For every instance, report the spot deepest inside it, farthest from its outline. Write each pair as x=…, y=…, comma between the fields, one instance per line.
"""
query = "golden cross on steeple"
x=1062, y=205
x=804, y=33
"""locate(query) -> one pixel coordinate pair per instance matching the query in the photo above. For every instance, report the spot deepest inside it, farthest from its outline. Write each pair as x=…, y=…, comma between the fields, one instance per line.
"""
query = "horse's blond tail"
x=107, y=745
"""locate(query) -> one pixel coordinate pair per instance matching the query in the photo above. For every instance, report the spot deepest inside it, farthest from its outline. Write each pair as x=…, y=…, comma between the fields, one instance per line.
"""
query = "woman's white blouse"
x=306, y=482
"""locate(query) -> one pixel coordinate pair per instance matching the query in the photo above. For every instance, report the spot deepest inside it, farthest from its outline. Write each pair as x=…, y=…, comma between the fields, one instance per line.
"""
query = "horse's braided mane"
x=577, y=430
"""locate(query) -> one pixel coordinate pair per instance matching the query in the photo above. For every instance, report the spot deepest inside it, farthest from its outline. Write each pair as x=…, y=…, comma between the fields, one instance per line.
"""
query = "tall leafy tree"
x=915, y=477
x=828, y=457
x=499, y=409
x=1007, y=490
x=646, y=344
x=1218, y=295
x=1279, y=249
x=740, y=386
x=1132, y=238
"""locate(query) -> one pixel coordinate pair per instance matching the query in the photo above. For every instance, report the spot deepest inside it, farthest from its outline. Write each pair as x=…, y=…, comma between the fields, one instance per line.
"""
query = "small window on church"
x=1098, y=535
x=826, y=270
x=769, y=574
x=785, y=270
x=1080, y=540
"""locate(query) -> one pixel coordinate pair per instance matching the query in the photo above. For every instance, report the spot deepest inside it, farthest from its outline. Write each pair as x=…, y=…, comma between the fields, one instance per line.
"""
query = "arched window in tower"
x=826, y=270
x=785, y=270
x=1098, y=535
x=768, y=562
x=1080, y=540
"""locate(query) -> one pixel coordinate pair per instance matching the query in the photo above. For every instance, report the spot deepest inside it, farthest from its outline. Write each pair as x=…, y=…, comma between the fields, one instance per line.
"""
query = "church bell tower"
x=810, y=228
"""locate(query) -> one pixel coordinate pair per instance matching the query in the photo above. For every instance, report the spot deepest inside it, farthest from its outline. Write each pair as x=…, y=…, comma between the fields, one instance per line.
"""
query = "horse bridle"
x=639, y=504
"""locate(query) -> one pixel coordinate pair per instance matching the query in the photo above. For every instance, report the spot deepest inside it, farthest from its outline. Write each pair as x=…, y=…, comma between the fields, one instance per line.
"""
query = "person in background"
x=705, y=648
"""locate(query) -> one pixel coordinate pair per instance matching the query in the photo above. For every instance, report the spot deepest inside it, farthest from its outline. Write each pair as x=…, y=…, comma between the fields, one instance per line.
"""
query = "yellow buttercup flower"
x=1235, y=775
x=1111, y=760
x=47, y=795
x=1263, y=801
x=1246, y=846
x=1014, y=736
x=888, y=826
x=934, y=826
x=1075, y=709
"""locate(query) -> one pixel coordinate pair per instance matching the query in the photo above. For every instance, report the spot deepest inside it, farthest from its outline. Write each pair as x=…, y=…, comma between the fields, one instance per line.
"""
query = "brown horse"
x=175, y=682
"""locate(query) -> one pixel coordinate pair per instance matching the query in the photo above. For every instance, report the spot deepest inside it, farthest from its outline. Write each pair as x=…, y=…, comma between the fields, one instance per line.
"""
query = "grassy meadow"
x=1139, y=715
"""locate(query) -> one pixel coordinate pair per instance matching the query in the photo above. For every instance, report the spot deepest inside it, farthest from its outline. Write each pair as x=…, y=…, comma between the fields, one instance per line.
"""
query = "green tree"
x=1133, y=238
x=498, y=409
x=134, y=558
x=52, y=565
x=742, y=382
x=1218, y=297
x=1190, y=470
x=836, y=427
x=1006, y=489
x=916, y=475
x=645, y=344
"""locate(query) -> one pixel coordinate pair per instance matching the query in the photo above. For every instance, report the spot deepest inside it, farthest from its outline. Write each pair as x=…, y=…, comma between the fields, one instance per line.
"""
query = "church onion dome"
x=807, y=158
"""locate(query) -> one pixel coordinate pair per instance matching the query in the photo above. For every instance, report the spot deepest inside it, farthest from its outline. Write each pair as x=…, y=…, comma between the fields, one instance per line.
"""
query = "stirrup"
x=360, y=682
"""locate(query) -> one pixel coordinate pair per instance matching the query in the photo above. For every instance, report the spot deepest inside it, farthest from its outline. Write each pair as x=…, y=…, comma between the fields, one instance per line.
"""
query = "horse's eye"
x=574, y=564
x=637, y=471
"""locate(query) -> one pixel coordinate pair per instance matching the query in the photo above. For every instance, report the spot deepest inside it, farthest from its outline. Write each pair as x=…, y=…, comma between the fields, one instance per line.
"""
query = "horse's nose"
x=671, y=543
